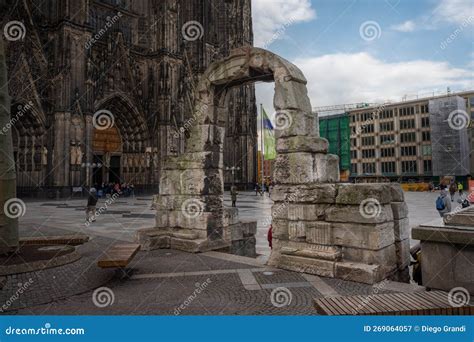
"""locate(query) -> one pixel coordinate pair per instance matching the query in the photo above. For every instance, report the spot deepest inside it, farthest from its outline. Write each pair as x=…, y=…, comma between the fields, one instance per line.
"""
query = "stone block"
x=294, y=168
x=396, y=192
x=183, y=219
x=304, y=193
x=176, y=202
x=385, y=256
x=359, y=214
x=294, y=123
x=302, y=144
x=192, y=182
x=366, y=236
x=280, y=229
x=403, y=253
x=400, y=210
x=320, y=267
x=161, y=219
x=401, y=229
x=306, y=250
x=326, y=168
x=194, y=160
x=206, y=138
x=299, y=212
x=291, y=95
x=359, y=272
x=319, y=233
x=230, y=216
x=356, y=193
x=296, y=231
x=245, y=247
x=243, y=230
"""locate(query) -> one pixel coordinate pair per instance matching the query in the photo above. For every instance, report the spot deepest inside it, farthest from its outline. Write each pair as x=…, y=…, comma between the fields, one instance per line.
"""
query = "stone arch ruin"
x=320, y=226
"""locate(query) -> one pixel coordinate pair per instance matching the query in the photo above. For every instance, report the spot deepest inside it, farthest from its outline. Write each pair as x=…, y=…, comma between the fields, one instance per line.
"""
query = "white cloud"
x=407, y=26
x=360, y=77
x=454, y=11
x=272, y=16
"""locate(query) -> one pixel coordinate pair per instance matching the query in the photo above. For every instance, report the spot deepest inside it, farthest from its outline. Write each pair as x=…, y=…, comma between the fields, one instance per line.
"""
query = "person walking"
x=460, y=188
x=91, y=204
x=443, y=204
x=452, y=190
x=233, y=195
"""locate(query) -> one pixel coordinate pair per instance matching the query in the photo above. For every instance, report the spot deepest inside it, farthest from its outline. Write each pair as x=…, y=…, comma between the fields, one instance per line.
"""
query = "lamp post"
x=232, y=169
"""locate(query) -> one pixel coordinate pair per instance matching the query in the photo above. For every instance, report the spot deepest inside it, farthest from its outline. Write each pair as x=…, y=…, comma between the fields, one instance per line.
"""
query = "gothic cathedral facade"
x=136, y=61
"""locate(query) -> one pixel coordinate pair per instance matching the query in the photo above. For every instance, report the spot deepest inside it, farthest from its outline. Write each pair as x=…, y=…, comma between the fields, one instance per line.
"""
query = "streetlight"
x=232, y=169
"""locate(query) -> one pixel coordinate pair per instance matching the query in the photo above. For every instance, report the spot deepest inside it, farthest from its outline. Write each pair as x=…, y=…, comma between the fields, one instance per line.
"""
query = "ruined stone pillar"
x=8, y=223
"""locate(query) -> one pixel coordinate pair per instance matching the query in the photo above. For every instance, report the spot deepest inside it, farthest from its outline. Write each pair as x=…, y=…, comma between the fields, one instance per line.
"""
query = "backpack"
x=440, y=203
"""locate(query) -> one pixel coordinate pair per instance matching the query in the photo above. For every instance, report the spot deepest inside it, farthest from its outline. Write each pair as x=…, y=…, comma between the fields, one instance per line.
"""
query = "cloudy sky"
x=369, y=50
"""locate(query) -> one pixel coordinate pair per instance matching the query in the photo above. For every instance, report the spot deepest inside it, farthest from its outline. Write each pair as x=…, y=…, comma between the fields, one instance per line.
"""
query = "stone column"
x=8, y=225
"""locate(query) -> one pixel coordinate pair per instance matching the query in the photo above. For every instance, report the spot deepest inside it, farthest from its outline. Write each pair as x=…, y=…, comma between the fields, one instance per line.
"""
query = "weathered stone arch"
x=320, y=226
x=190, y=210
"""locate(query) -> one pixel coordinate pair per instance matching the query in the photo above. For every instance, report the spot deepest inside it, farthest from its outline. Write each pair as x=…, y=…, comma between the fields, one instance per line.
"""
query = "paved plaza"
x=172, y=282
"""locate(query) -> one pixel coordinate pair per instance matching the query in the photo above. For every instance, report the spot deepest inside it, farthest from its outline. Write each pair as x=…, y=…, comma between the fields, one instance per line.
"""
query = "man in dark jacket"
x=91, y=204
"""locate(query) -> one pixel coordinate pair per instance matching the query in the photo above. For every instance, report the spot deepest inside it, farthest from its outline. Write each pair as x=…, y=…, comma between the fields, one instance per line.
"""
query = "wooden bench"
x=119, y=255
x=418, y=303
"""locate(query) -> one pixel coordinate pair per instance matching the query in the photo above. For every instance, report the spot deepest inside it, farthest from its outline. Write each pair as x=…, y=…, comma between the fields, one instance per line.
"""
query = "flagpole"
x=261, y=139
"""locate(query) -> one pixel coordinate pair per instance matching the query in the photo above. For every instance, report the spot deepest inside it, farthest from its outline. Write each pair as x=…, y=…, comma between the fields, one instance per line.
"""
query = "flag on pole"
x=268, y=137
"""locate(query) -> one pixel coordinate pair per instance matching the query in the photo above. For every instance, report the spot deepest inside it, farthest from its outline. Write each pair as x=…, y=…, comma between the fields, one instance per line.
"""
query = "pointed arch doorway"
x=107, y=153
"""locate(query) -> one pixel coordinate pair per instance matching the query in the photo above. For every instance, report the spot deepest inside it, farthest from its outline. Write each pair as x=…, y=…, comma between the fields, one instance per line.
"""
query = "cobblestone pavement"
x=127, y=215
x=168, y=281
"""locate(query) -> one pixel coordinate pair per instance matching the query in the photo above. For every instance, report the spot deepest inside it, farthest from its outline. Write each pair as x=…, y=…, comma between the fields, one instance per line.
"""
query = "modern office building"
x=335, y=128
x=414, y=140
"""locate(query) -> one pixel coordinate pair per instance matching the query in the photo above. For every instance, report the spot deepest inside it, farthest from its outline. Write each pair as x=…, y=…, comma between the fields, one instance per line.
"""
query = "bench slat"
x=418, y=303
x=118, y=255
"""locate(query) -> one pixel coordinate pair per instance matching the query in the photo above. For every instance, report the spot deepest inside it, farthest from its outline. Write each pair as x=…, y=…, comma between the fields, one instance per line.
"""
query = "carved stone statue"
x=44, y=156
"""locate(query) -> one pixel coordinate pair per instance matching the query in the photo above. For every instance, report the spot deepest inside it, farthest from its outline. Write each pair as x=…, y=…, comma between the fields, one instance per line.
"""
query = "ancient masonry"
x=8, y=224
x=356, y=232
x=138, y=61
